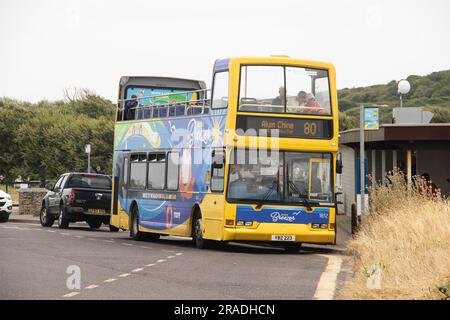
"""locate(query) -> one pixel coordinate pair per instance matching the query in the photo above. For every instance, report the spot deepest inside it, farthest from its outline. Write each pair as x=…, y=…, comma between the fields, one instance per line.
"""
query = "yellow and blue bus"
x=252, y=159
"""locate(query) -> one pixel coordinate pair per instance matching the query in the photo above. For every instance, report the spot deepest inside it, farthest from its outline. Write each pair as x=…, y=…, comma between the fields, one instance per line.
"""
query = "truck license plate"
x=97, y=211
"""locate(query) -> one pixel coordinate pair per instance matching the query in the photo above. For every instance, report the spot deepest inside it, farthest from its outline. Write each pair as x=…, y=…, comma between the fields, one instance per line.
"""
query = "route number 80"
x=310, y=128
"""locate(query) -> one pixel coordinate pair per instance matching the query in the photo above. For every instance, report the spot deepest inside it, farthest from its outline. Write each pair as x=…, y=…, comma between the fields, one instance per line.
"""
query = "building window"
x=156, y=171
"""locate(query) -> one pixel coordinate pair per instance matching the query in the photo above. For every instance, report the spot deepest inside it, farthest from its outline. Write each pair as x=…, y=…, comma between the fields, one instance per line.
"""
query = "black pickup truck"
x=78, y=197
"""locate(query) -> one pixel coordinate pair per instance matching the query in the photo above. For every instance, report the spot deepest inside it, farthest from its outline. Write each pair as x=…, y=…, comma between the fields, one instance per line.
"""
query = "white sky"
x=47, y=46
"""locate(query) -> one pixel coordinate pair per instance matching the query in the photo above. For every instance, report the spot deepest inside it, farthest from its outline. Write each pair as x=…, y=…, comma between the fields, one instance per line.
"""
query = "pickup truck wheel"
x=46, y=219
x=4, y=216
x=63, y=222
x=94, y=223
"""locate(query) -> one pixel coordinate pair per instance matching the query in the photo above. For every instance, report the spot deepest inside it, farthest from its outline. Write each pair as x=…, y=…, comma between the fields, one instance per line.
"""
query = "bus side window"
x=125, y=171
x=173, y=161
x=156, y=171
x=219, y=97
x=217, y=170
x=138, y=168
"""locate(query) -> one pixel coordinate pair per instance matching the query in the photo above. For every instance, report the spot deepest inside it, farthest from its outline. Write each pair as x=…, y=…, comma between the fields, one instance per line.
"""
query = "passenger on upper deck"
x=308, y=101
x=130, y=106
x=279, y=101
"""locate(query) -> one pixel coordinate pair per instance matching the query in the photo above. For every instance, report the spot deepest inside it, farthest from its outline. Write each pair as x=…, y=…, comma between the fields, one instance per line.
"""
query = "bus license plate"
x=97, y=211
x=283, y=238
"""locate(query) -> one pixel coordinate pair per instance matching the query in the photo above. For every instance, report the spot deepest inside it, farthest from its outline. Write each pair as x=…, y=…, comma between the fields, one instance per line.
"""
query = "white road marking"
x=50, y=231
x=145, y=247
x=64, y=233
x=137, y=269
x=92, y=286
x=80, y=237
x=127, y=244
x=161, y=260
x=123, y=275
x=170, y=257
x=178, y=254
x=110, y=280
x=109, y=241
x=327, y=282
x=71, y=294
x=22, y=223
x=150, y=265
x=92, y=239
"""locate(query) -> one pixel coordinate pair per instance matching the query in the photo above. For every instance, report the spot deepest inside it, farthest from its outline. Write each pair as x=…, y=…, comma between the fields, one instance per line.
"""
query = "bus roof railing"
x=195, y=102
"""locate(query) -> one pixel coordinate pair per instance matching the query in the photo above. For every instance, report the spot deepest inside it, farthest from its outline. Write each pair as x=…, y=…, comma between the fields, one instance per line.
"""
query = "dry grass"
x=407, y=234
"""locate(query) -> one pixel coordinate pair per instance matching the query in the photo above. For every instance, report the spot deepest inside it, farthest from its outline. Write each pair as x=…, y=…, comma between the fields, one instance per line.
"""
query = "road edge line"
x=326, y=286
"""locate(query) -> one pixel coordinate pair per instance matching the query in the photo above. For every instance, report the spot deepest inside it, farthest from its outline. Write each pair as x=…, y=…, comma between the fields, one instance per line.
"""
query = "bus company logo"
x=323, y=215
x=277, y=216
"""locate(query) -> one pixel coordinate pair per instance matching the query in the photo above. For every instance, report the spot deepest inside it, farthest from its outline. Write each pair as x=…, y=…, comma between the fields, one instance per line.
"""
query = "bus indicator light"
x=229, y=222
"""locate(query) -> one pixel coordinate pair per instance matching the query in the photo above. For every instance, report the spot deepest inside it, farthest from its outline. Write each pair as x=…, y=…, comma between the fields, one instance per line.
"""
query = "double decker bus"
x=252, y=159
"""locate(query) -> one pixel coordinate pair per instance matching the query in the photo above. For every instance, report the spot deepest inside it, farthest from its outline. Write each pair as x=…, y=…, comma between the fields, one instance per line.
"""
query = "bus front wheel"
x=293, y=247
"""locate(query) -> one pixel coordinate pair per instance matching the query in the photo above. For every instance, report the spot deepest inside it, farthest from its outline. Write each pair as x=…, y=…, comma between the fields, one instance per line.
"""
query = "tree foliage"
x=53, y=134
x=432, y=92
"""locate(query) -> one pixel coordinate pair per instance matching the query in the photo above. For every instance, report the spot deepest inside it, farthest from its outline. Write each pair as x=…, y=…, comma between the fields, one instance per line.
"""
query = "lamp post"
x=87, y=149
x=372, y=124
x=403, y=87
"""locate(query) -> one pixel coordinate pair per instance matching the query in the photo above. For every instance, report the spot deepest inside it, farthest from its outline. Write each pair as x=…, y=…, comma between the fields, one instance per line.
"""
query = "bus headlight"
x=320, y=226
x=244, y=223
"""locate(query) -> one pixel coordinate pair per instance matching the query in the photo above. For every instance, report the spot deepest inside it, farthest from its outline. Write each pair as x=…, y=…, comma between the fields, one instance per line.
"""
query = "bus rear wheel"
x=197, y=233
x=134, y=229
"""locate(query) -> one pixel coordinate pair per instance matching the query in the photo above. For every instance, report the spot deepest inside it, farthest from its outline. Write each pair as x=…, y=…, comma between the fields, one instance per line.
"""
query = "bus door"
x=215, y=200
x=123, y=191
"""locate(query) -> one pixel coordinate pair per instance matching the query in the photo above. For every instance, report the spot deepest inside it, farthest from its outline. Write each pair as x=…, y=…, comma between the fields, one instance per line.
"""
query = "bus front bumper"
x=264, y=232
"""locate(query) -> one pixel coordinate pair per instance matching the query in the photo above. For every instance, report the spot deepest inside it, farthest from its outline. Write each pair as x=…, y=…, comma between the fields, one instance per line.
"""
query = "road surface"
x=50, y=263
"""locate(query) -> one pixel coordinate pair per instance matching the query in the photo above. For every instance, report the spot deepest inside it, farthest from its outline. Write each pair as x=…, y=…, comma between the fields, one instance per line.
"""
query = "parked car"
x=5, y=206
x=78, y=197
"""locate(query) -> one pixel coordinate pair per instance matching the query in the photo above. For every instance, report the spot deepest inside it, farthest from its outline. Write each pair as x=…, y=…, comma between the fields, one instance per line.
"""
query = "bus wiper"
x=267, y=195
x=304, y=199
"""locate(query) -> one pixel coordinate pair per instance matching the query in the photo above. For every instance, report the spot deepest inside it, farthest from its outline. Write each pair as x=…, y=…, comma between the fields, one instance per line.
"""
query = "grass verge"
x=403, y=249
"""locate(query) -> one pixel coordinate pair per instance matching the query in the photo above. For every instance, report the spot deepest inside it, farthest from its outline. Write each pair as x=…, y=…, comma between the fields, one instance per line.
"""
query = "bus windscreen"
x=161, y=95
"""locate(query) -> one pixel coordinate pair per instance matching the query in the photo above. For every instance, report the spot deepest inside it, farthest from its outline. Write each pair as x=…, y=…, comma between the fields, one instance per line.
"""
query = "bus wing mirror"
x=339, y=166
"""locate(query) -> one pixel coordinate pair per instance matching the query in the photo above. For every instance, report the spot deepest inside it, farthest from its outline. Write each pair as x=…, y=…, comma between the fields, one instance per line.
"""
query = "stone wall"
x=30, y=200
